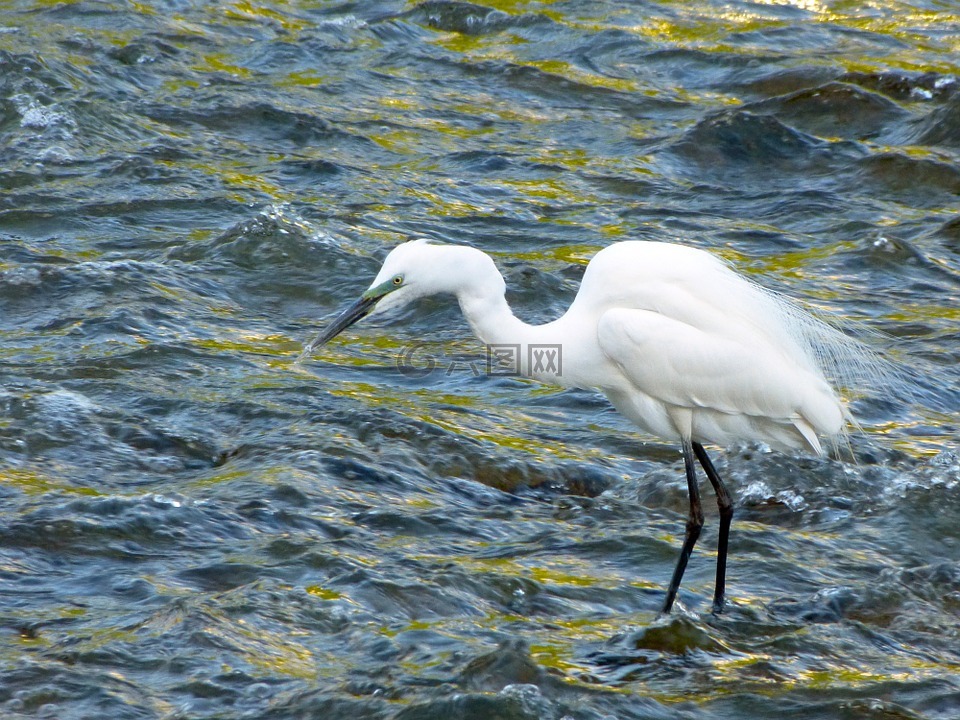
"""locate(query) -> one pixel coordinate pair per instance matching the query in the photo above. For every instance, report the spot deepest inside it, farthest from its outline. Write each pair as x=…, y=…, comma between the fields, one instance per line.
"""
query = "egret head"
x=407, y=273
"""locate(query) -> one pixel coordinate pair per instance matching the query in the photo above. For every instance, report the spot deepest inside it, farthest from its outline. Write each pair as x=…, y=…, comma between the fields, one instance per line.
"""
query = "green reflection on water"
x=34, y=482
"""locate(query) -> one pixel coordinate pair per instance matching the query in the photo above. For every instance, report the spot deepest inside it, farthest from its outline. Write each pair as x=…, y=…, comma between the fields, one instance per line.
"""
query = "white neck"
x=492, y=320
x=473, y=277
x=513, y=346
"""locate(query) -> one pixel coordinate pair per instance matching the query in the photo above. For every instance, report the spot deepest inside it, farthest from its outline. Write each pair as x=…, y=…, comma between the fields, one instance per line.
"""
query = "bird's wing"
x=686, y=367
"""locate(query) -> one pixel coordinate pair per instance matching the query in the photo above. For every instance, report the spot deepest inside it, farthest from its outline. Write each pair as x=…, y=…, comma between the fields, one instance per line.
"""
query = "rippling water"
x=192, y=526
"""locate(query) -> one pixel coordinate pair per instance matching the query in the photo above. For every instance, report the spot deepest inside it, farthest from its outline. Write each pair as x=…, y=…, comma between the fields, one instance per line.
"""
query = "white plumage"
x=682, y=345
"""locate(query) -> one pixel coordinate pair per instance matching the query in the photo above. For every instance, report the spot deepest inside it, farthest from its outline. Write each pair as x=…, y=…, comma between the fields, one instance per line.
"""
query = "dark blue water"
x=193, y=526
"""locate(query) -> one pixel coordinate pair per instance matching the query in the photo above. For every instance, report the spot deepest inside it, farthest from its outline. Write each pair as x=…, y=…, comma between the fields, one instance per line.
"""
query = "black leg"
x=694, y=525
x=725, y=504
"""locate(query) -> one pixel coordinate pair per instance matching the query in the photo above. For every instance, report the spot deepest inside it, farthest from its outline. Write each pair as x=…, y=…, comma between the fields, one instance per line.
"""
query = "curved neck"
x=473, y=277
x=492, y=320
x=513, y=345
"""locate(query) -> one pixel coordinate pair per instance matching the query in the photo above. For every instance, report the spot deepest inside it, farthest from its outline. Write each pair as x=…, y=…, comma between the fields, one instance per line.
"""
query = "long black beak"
x=360, y=309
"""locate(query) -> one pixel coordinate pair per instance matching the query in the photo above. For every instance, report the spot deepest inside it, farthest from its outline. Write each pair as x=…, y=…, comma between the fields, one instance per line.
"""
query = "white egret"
x=683, y=346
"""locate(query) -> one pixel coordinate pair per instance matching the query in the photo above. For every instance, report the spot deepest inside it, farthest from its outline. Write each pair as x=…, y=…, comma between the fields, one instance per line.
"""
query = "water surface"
x=193, y=526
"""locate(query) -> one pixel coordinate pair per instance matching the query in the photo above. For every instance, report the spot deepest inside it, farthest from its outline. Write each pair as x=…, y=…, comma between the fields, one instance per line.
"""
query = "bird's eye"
x=398, y=279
